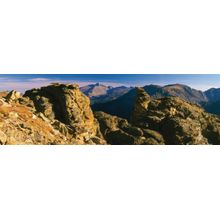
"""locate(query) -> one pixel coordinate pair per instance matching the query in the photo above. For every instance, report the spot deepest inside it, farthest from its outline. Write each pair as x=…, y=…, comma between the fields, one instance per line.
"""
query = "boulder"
x=13, y=96
x=118, y=131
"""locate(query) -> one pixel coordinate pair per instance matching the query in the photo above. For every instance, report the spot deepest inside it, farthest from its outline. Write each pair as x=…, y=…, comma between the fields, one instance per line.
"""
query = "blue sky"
x=22, y=82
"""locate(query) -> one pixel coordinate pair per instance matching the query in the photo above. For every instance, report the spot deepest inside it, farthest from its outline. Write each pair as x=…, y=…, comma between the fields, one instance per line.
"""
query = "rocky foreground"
x=61, y=114
x=56, y=114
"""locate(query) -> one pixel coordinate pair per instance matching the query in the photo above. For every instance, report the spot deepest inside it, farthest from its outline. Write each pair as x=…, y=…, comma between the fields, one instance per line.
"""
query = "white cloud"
x=22, y=86
x=38, y=79
x=16, y=84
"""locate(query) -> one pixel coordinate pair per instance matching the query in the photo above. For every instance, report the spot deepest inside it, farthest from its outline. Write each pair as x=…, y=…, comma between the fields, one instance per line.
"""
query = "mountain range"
x=99, y=93
x=122, y=105
x=60, y=114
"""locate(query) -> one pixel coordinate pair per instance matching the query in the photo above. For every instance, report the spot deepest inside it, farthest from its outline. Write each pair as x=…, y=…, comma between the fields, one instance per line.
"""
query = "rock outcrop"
x=61, y=114
x=118, y=131
x=19, y=125
x=178, y=121
x=68, y=110
x=168, y=120
x=13, y=96
x=140, y=106
x=55, y=114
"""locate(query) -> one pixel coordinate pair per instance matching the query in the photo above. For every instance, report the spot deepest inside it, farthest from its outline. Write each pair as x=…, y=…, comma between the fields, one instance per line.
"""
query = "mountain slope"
x=99, y=93
x=121, y=107
x=177, y=90
x=213, y=95
x=212, y=107
x=94, y=90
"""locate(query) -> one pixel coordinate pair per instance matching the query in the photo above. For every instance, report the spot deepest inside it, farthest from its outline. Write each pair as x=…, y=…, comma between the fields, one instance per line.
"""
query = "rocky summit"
x=55, y=114
x=61, y=114
x=99, y=93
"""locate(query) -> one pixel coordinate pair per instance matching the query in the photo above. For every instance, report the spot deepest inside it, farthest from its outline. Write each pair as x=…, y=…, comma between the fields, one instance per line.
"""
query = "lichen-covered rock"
x=178, y=121
x=3, y=137
x=118, y=131
x=61, y=114
x=18, y=125
x=13, y=96
x=141, y=104
x=25, y=101
x=55, y=114
x=153, y=134
x=68, y=110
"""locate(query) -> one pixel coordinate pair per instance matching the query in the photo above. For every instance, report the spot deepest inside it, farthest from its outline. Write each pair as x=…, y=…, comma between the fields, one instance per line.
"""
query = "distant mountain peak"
x=102, y=93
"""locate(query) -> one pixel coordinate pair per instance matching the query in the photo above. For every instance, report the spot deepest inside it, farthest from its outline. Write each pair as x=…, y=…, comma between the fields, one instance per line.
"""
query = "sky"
x=23, y=82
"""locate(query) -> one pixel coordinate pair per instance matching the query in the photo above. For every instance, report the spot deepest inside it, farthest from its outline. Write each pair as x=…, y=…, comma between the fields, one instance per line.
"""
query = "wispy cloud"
x=23, y=83
x=39, y=80
x=7, y=84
